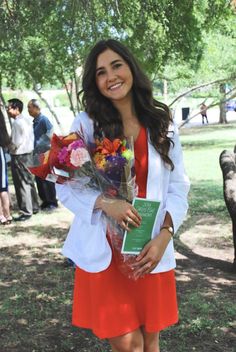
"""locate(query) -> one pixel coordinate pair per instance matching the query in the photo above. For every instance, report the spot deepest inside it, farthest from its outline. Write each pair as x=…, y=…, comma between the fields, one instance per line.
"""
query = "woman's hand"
x=151, y=254
x=120, y=210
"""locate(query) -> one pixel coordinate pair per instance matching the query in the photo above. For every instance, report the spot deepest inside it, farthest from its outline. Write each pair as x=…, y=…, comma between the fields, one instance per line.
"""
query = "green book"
x=135, y=239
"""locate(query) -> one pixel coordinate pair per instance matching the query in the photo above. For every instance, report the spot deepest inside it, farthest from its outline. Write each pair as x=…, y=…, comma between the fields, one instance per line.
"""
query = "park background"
x=188, y=50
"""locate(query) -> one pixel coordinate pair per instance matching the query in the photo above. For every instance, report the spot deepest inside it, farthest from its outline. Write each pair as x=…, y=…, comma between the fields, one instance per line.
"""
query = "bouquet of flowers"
x=66, y=159
x=104, y=165
x=115, y=162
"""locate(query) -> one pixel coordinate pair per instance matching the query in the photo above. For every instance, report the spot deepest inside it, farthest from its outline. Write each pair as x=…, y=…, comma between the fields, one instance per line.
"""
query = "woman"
x=5, y=217
x=118, y=102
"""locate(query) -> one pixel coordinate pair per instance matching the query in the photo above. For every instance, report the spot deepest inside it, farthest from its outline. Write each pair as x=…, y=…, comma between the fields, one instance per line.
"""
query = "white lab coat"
x=86, y=244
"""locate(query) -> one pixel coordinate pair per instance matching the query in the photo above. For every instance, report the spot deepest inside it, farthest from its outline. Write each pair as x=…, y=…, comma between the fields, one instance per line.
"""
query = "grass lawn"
x=206, y=289
x=36, y=283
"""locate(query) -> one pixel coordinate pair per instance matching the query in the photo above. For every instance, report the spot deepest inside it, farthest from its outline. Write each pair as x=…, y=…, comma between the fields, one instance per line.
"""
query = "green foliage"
x=46, y=42
x=217, y=60
x=60, y=100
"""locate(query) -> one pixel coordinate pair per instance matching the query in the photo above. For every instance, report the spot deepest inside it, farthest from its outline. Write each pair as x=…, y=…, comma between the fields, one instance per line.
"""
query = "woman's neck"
x=126, y=110
x=131, y=124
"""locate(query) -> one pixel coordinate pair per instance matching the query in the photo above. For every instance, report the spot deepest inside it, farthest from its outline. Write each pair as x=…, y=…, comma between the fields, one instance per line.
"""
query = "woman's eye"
x=100, y=73
x=117, y=65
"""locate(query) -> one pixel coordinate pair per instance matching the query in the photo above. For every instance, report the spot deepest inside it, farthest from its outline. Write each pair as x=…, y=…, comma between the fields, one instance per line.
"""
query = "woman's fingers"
x=132, y=220
x=136, y=214
x=145, y=269
x=124, y=225
x=133, y=217
x=146, y=260
x=123, y=212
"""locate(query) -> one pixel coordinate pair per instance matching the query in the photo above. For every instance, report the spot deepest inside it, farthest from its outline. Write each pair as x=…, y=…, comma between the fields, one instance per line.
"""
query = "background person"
x=119, y=103
x=203, y=111
x=22, y=139
x=5, y=216
x=42, y=126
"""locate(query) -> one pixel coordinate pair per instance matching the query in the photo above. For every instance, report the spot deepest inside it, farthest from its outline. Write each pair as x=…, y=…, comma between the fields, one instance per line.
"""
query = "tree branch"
x=201, y=86
x=48, y=106
x=210, y=106
x=69, y=94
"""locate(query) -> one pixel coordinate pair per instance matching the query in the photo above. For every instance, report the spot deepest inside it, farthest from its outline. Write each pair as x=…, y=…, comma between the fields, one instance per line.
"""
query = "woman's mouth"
x=115, y=86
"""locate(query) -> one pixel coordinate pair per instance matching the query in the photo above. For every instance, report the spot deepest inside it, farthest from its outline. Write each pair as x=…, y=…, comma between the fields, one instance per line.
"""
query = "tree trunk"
x=165, y=91
x=68, y=87
x=222, y=104
x=228, y=167
x=3, y=103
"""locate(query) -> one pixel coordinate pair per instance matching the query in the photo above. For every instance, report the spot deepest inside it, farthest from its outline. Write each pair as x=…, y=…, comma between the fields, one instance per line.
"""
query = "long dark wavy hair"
x=153, y=115
x=4, y=137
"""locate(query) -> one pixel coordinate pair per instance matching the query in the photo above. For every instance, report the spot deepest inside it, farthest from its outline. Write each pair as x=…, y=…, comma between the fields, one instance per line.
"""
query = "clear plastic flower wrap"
x=121, y=174
x=104, y=165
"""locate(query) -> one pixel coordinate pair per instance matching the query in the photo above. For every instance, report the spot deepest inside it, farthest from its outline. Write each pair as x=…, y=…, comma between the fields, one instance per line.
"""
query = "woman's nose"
x=111, y=76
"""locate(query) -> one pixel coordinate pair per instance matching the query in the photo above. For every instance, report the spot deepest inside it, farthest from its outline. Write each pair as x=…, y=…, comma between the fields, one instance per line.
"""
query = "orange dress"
x=111, y=304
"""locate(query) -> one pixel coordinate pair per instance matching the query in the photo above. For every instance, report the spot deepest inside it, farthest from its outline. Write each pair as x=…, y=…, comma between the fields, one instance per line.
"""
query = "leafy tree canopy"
x=46, y=41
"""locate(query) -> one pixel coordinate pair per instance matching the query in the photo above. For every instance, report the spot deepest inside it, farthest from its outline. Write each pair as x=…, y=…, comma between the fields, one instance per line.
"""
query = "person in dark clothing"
x=42, y=130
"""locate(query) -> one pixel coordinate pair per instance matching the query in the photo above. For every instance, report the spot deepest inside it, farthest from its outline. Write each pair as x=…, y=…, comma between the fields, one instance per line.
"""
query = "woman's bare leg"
x=5, y=204
x=133, y=341
x=151, y=341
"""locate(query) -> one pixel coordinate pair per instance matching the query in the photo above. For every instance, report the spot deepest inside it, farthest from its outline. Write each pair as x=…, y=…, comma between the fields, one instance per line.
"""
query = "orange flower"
x=109, y=147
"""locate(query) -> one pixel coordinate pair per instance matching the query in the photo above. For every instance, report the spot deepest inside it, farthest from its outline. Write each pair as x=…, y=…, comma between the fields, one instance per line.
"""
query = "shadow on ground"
x=36, y=295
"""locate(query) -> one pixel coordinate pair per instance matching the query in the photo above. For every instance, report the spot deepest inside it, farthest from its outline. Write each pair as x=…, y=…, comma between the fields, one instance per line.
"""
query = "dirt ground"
x=36, y=289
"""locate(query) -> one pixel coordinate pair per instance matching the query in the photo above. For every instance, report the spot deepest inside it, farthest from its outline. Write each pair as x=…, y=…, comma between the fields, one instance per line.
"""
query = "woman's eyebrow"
x=112, y=63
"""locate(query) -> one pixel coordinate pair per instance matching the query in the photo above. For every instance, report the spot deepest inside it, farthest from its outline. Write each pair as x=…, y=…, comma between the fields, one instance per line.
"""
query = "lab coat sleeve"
x=179, y=185
x=81, y=203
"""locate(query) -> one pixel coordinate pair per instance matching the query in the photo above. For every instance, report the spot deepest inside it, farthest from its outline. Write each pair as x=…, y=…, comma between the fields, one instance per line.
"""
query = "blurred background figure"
x=5, y=216
x=43, y=130
x=21, y=149
x=203, y=111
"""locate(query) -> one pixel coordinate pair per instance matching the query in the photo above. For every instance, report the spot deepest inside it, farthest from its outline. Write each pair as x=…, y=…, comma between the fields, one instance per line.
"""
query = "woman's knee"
x=132, y=341
x=151, y=342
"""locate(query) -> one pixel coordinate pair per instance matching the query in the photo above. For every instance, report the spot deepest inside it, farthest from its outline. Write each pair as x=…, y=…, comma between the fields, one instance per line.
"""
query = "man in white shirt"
x=22, y=138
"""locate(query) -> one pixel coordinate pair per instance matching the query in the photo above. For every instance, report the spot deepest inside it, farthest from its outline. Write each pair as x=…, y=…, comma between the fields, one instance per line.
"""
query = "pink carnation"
x=76, y=144
x=79, y=156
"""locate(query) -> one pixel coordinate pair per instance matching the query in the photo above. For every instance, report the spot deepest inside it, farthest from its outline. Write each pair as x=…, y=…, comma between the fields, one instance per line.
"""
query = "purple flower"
x=114, y=168
x=62, y=155
x=117, y=162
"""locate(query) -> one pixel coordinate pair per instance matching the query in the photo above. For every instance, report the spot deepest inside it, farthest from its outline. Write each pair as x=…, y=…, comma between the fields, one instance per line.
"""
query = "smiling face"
x=113, y=76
